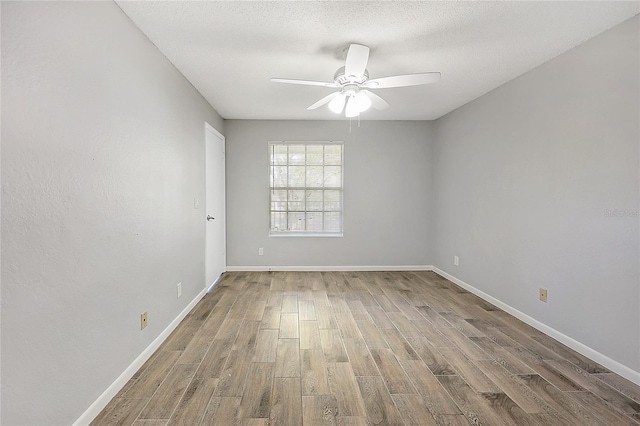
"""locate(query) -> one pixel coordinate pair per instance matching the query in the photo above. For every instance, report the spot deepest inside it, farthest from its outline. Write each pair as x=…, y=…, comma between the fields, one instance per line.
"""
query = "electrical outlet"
x=179, y=290
x=543, y=295
x=456, y=260
x=260, y=251
x=143, y=320
x=196, y=203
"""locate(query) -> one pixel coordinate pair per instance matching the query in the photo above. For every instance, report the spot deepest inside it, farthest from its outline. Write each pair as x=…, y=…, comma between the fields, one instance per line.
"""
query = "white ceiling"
x=230, y=50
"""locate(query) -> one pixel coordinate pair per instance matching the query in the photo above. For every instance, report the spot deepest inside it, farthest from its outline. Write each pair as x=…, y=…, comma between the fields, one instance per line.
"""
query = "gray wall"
x=387, y=180
x=524, y=177
x=102, y=156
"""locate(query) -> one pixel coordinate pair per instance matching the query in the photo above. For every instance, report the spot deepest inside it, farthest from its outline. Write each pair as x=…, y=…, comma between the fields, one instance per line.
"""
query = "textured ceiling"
x=230, y=50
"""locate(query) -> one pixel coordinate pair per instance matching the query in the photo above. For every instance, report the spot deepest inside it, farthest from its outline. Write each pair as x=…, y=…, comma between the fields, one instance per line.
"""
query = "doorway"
x=215, y=224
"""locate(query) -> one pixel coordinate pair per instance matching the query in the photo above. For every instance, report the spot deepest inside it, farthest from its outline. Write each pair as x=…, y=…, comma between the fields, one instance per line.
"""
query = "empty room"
x=320, y=213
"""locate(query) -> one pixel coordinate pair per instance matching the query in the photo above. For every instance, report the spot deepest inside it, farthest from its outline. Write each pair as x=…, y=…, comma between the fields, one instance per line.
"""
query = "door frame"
x=208, y=127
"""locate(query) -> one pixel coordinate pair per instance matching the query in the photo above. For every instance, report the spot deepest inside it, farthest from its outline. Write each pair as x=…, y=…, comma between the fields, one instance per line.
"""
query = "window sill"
x=306, y=234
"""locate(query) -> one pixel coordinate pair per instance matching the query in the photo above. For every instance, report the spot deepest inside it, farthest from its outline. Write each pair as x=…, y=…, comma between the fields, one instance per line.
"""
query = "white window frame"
x=313, y=233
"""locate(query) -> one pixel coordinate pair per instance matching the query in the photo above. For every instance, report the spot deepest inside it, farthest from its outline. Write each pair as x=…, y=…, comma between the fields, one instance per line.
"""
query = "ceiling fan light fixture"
x=337, y=103
x=362, y=101
x=352, y=108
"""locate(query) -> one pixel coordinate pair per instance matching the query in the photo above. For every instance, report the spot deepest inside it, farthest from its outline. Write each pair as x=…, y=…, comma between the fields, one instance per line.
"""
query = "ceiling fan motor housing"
x=342, y=79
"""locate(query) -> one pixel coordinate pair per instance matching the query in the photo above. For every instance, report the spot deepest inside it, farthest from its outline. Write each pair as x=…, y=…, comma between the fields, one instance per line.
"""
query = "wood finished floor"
x=364, y=348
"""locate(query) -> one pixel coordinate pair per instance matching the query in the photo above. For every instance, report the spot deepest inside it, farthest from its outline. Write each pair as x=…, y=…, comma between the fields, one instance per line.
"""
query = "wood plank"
x=313, y=373
x=433, y=317
x=325, y=318
x=517, y=391
x=275, y=299
x=431, y=357
x=347, y=326
x=620, y=384
x=413, y=410
x=168, y=394
x=152, y=422
x=432, y=334
x=371, y=334
x=379, y=317
x=570, y=355
x=270, y=317
x=289, y=303
x=460, y=324
x=256, y=310
x=289, y=326
x=344, y=387
x=404, y=326
x=309, y=335
x=222, y=411
x=352, y=421
x=602, y=410
x=537, y=364
x=153, y=375
x=332, y=346
x=473, y=406
x=319, y=410
x=614, y=398
x=399, y=345
x=391, y=371
x=574, y=412
x=385, y=303
x=246, y=340
x=234, y=374
x=123, y=411
x=469, y=348
x=213, y=362
x=229, y=329
x=378, y=404
x=256, y=399
x=287, y=358
x=197, y=348
x=266, y=346
x=286, y=407
x=360, y=358
x=451, y=420
x=194, y=402
x=306, y=310
x=435, y=398
x=357, y=308
x=255, y=422
x=469, y=371
x=502, y=356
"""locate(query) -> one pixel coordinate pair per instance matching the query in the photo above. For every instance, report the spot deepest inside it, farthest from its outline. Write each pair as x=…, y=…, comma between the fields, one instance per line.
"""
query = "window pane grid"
x=306, y=187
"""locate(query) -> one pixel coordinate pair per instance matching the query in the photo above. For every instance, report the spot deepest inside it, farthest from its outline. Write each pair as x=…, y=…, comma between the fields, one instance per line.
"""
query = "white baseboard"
x=331, y=268
x=613, y=365
x=102, y=401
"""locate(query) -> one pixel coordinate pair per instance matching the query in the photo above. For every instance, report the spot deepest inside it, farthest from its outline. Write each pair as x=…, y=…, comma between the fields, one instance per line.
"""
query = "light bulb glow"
x=337, y=103
x=362, y=101
x=352, y=108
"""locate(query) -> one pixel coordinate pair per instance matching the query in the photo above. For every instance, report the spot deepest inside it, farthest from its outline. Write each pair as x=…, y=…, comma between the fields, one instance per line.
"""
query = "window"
x=305, y=188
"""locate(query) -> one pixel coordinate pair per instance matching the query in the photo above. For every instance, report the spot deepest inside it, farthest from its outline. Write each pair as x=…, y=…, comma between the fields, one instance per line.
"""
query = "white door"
x=215, y=250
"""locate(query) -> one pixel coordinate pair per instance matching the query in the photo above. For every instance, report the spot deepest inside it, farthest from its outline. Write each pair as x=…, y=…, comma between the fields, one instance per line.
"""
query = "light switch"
x=196, y=203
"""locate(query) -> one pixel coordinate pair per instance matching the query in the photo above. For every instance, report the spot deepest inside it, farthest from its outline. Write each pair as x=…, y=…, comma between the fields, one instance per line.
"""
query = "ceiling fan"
x=353, y=81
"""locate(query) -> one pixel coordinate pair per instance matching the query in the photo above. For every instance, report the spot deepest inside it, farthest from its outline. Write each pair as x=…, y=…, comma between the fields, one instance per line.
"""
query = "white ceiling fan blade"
x=324, y=100
x=304, y=82
x=357, y=58
x=403, y=80
x=376, y=101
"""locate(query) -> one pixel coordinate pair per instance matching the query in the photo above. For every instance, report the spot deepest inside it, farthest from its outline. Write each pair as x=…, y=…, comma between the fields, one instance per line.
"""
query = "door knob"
x=210, y=218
